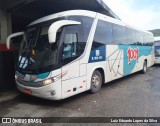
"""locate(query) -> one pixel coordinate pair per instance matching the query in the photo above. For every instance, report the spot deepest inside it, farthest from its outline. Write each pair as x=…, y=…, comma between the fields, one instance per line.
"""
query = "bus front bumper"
x=46, y=92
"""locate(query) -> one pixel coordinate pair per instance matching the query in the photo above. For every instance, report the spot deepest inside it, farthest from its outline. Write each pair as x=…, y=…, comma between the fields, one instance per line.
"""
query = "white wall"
x=5, y=26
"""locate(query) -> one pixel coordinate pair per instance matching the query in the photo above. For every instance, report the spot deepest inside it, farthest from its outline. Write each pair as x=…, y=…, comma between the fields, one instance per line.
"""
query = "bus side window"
x=103, y=34
x=119, y=34
x=130, y=36
x=139, y=38
x=75, y=38
x=70, y=46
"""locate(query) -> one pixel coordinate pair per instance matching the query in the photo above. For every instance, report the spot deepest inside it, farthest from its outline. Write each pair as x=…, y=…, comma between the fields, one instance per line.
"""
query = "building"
x=156, y=32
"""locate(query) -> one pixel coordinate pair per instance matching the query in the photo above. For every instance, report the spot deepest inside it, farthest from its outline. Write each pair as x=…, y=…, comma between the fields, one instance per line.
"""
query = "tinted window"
x=157, y=43
x=70, y=49
x=157, y=49
x=82, y=31
x=131, y=36
x=139, y=38
x=75, y=38
x=103, y=34
x=119, y=34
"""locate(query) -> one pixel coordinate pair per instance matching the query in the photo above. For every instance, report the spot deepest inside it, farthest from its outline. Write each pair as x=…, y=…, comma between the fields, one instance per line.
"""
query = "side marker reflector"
x=81, y=86
x=69, y=91
x=84, y=81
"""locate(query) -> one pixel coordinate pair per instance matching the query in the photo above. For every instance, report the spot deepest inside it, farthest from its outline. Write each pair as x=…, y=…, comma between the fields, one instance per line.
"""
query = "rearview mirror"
x=8, y=41
x=52, y=32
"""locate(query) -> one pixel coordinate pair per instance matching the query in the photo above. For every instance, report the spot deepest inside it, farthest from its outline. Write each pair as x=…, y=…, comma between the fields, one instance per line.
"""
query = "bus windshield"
x=157, y=49
x=36, y=53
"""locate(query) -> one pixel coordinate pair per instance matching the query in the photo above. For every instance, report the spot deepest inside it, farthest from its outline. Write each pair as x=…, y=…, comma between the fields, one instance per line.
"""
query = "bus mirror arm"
x=53, y=29
x=8, y=41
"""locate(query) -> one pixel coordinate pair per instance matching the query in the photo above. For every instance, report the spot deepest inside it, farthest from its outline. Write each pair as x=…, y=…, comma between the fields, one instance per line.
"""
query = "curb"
x=6, y=96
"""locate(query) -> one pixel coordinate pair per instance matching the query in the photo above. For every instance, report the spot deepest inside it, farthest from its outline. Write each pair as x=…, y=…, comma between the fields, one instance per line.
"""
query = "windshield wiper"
x=26, y=50
x=24, y=37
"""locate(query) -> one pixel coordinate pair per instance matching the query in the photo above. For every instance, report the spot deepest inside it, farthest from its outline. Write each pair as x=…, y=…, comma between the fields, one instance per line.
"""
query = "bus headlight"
x=54, y=79
x=51, y=80
x=16, y=77
x=48, y=81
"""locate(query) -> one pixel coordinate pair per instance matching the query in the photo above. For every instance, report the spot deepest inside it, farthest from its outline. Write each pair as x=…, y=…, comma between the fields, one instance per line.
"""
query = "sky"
x=144, y=14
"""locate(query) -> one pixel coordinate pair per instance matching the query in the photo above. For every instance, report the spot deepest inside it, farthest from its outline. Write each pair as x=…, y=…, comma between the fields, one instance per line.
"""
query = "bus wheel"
x=144, y=70
x=96, y=82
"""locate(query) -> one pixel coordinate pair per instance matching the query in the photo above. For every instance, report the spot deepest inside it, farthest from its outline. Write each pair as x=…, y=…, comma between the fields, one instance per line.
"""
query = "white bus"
x=157, y=50
x=70, y=52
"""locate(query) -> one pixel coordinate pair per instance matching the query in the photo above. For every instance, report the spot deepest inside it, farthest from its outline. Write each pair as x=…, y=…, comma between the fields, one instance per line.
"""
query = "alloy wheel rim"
x=95, y=81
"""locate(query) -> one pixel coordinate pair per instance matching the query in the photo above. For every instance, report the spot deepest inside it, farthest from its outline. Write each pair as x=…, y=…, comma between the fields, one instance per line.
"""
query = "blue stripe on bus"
x=39, y=76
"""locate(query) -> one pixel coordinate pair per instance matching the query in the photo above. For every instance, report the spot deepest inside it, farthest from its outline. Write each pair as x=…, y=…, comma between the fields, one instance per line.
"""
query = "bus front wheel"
x=96, y=82
x=144, y=70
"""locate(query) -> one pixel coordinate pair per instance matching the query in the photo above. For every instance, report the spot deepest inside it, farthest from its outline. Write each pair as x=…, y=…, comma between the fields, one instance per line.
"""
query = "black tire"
x=96, y=82
x=144, y=70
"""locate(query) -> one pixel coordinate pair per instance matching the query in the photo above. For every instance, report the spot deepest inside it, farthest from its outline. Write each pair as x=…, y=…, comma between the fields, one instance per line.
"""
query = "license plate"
x=27, y=91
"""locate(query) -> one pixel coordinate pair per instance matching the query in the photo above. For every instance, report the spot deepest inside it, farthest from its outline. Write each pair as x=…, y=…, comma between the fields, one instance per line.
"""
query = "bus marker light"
x=84, y=81
x=27, y=91
x=81, y=86
x=69, y=91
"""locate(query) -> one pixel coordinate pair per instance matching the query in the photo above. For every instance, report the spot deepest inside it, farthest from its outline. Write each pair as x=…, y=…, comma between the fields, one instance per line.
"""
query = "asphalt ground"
x=137, y=95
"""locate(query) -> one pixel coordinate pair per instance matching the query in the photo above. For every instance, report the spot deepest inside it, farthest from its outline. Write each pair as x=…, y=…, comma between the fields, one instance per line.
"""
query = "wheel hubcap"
x=95, y=81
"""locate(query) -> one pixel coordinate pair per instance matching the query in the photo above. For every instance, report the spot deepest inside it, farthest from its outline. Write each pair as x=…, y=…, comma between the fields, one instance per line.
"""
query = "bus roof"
x=119, y=22
x=88, y=14
x=65, y=13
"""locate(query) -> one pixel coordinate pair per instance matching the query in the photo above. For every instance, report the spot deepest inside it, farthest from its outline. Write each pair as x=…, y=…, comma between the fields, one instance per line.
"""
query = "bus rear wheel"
x=96, y=82
x=144, y=70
